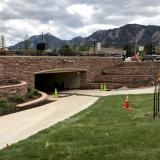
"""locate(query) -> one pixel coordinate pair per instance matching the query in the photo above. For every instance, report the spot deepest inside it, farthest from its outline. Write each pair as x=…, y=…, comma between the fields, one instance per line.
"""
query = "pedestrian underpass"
x=62, y=79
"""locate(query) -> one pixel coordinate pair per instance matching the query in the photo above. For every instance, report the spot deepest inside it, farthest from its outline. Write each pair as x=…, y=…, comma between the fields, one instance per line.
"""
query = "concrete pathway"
x=122, y=91
x=19, y=126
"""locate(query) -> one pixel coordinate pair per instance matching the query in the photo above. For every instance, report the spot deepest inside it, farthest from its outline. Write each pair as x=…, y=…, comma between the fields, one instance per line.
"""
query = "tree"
x=2, y=42
x=84, y=48
x=66, y=50
x=26, y=43
x=128, y=49
x=74, y=47
x=149, y=49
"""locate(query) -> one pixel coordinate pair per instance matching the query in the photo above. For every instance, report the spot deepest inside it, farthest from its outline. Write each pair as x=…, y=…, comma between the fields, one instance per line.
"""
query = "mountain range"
x=118, y=37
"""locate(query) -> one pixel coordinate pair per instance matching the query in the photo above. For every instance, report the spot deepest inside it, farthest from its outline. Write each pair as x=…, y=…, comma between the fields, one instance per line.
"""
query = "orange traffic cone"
x=126, y=104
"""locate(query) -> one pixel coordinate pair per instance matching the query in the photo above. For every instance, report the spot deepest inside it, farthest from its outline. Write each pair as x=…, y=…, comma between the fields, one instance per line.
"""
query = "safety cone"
x=126, y=104
x=101, y=87
x=105, y=87
x=55, y=93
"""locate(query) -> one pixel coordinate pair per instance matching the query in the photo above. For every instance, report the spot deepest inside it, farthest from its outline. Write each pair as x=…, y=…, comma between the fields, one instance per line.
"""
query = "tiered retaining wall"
x=10, y=90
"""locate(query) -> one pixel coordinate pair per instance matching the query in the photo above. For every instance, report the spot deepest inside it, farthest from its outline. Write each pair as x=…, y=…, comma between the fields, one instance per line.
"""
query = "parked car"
x=152, y=57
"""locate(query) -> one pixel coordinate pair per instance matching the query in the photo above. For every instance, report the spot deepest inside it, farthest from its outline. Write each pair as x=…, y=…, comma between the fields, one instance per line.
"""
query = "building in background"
x=3, y=51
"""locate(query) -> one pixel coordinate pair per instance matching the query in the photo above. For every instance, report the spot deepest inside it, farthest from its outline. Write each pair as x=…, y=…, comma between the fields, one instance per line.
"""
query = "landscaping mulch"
x=9, y=105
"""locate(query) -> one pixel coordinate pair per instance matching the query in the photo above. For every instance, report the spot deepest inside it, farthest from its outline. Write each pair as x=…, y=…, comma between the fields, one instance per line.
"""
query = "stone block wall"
x=130, y=74
x=10, y=90
x=136, y=70
x=24, y=68
x=112, y=71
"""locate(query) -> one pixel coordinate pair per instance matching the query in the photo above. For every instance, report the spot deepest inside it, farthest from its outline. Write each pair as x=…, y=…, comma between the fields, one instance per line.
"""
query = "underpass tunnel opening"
x=47, y=82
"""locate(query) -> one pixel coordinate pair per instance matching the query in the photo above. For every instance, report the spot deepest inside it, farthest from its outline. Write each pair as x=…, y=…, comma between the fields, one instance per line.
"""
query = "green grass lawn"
x=104, y=131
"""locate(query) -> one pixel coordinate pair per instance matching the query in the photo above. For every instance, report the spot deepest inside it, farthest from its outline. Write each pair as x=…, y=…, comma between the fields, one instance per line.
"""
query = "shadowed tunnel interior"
x=47, y=82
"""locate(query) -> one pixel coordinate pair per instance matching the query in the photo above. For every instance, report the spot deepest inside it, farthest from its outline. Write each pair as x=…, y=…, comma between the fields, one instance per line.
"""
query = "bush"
x=29, y=89
x=66, y=50
x=7, y=107
x=3, y=103
x=19, y=98
x=32, y=93
x=36, y=92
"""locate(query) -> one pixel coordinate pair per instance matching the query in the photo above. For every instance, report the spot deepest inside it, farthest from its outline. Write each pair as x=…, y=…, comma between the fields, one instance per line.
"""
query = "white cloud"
x=19, y=28
x=86, y=11
x=69, y=18
x=2, y=6
x=146, y=20
x=86, y=30
x=153, y=9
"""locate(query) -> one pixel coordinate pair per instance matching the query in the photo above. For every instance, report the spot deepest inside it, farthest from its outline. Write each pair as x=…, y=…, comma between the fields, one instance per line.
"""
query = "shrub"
x=4, y=103
x=19, y=98
x=29, y=89
x=32, y=93
x=36, y=92
x=7, y=107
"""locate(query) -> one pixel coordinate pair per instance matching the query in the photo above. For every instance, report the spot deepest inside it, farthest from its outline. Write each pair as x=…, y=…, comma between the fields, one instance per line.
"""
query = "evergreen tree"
x=66, y=50
x=149, y=49
x=128, y=49
x=84, y=48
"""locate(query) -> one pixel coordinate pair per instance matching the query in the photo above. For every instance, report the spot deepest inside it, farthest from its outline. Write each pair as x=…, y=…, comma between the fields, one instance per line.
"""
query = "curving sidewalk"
x=19, y=126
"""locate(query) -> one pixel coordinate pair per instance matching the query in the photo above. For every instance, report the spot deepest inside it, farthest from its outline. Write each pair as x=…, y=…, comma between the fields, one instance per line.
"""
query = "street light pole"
x=43, y=33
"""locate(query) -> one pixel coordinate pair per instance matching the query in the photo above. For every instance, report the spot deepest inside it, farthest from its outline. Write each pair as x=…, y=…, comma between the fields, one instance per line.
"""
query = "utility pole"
x=94, y=43
x=152, y=47
x=42, y=37
x=43, y=34
x=136, y=47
